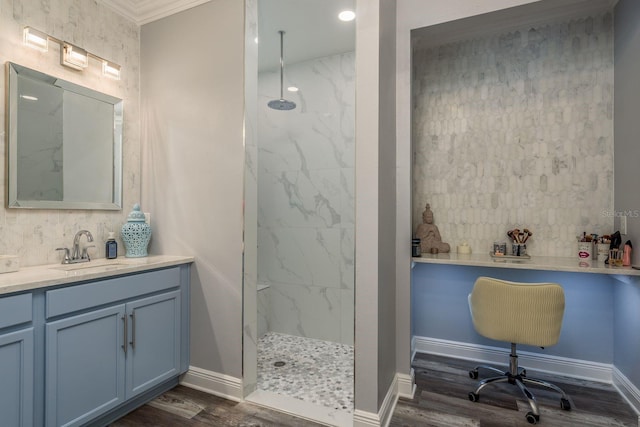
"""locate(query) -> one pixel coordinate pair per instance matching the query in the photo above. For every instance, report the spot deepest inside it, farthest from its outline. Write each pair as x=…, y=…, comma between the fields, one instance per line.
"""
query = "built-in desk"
x=545, y=263
x=600, y=336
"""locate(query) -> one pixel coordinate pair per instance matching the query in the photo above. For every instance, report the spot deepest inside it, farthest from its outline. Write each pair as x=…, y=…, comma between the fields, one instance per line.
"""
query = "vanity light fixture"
x=347, y=15
x=71, y=55
x=36, y=39
x=74, y=57
x=110, y=69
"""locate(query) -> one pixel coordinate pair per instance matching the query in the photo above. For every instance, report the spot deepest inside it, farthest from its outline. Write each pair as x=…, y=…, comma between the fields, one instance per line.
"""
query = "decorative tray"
x=510, y=257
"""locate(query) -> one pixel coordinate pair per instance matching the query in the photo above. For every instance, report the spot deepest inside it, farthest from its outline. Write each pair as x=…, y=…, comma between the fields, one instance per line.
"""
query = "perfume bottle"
x=626, y=256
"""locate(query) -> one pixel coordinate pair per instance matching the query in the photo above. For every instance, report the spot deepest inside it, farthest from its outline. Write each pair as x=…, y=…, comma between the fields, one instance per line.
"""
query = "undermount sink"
x=102, y=266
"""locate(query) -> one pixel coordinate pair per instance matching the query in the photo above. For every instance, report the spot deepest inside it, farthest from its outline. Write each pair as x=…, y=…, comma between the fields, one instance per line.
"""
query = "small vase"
x=136, y=234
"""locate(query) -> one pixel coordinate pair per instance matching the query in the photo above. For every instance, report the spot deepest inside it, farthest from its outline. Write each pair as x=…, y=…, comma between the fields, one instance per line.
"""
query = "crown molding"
x=144, y=11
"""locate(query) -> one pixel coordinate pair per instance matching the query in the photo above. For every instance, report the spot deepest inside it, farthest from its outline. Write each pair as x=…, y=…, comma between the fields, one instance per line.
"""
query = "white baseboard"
x=576, y=368
x=406, y=385
x=214, y=383
x=365, y=419
x=383, y=417
x=628, y=391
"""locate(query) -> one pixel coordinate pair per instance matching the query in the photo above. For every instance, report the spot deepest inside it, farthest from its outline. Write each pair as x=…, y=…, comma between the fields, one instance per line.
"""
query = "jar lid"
x=136, y=215
x=112, y=235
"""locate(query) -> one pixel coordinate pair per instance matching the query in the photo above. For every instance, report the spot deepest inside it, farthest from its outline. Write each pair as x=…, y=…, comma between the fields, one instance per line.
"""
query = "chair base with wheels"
x=517, y=376
x=518, y=313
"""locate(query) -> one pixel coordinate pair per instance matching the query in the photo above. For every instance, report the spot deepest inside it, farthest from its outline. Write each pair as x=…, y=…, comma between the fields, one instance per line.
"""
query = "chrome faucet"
x=76, y=256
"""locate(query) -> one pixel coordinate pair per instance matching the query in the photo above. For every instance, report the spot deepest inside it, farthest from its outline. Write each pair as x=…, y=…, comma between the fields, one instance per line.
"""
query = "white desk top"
x=30, y=278
x=534, y=263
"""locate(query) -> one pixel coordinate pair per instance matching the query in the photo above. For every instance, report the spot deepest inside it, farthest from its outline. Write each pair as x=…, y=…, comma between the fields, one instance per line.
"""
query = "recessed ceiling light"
x=292, y=89
x=347, y=15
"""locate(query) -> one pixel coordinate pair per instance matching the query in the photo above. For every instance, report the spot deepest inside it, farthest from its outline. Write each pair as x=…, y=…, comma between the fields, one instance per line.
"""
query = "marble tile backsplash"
x=305, y=173
x=516, y=130
x=35, y=234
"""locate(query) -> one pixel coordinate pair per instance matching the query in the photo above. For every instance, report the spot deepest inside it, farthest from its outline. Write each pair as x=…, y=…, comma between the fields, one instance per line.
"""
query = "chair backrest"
x=522, y=313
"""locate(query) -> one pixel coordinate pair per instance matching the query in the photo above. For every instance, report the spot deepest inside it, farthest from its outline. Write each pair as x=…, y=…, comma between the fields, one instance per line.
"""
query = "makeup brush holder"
x=518, y=249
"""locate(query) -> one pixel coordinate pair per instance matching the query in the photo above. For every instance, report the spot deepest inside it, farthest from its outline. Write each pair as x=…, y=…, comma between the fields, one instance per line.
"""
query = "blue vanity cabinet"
x=16, y=361
x=85, y=366
x=110, y=341
x=154, y=341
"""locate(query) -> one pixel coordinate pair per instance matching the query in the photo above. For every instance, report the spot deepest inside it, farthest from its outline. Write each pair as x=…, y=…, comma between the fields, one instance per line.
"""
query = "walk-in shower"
x=300, y=211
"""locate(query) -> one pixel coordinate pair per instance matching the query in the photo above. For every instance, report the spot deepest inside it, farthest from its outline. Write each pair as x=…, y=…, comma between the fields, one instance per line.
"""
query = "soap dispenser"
x=111, y=246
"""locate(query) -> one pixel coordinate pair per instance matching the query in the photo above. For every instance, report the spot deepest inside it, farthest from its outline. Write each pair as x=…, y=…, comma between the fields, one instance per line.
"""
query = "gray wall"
x=193, y=165
x=627, y=173
x=375, y=203
x=387, y=199
x=626, y=123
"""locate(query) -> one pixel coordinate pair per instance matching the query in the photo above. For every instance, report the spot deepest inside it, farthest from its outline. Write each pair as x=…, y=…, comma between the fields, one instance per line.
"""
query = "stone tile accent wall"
x=516, y=130
x=33, y=234
x=306, y=199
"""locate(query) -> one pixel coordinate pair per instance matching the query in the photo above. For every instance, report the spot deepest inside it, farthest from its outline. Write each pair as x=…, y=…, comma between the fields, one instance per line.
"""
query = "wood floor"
x=440, y=401
x=443, y=385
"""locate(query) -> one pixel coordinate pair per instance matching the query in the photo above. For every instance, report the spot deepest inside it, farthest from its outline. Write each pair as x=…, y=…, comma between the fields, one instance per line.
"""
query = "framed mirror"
x=64, y=144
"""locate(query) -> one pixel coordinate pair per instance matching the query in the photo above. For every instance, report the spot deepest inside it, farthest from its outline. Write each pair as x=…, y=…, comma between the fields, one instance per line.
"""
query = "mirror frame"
x=13, y=71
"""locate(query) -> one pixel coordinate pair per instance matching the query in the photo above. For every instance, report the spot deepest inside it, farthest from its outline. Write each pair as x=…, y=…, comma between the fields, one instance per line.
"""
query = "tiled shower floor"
x=315, y=371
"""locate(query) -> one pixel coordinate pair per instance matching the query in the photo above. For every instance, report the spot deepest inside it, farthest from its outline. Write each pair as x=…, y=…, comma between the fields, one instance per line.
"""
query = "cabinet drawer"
x=15, y=310
x=81, y=297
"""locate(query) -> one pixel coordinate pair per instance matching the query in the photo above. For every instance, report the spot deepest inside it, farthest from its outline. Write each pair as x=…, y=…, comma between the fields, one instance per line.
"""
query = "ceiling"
x=312, y=29
x=504, y=20
x=144, y=11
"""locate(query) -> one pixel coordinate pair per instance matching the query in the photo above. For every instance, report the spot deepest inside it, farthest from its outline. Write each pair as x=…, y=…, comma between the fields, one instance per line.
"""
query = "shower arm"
x=281, y=64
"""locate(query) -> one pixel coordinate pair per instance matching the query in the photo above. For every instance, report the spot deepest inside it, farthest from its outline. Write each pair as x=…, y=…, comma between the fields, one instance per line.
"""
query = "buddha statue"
x=429, y=235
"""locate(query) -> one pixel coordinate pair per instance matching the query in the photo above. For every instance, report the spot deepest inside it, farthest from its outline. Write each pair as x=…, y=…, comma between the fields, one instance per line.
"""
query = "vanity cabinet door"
x=154, y=341
x=16, y=378
x=85, y=365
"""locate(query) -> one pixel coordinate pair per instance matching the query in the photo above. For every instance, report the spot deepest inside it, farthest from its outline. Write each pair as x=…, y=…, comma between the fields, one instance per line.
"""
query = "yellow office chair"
x=519, y=313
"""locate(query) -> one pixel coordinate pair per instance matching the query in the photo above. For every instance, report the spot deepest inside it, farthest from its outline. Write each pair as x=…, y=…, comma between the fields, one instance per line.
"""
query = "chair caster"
x=473, y=374
x=532, y=418
x=565, y=404
x=474, y=397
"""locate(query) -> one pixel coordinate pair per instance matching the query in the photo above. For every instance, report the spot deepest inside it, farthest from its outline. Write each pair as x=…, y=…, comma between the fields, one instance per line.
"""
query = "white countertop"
x=534, y=263
x=30, y=278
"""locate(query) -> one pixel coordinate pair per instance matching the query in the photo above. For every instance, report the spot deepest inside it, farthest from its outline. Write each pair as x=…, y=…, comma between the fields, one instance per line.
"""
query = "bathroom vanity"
x=85, y=344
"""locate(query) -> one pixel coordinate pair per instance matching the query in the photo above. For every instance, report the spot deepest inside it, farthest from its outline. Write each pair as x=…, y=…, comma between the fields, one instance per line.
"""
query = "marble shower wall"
x=516, y=130
x=306, y=199
x=33, y=234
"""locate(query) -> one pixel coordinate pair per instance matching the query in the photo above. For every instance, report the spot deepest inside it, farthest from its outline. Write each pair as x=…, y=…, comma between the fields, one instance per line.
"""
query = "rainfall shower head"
x=281, y=104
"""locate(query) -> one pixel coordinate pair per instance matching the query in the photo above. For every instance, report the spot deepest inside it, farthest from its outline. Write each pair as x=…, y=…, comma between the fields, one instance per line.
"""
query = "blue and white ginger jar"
x=136, y=234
